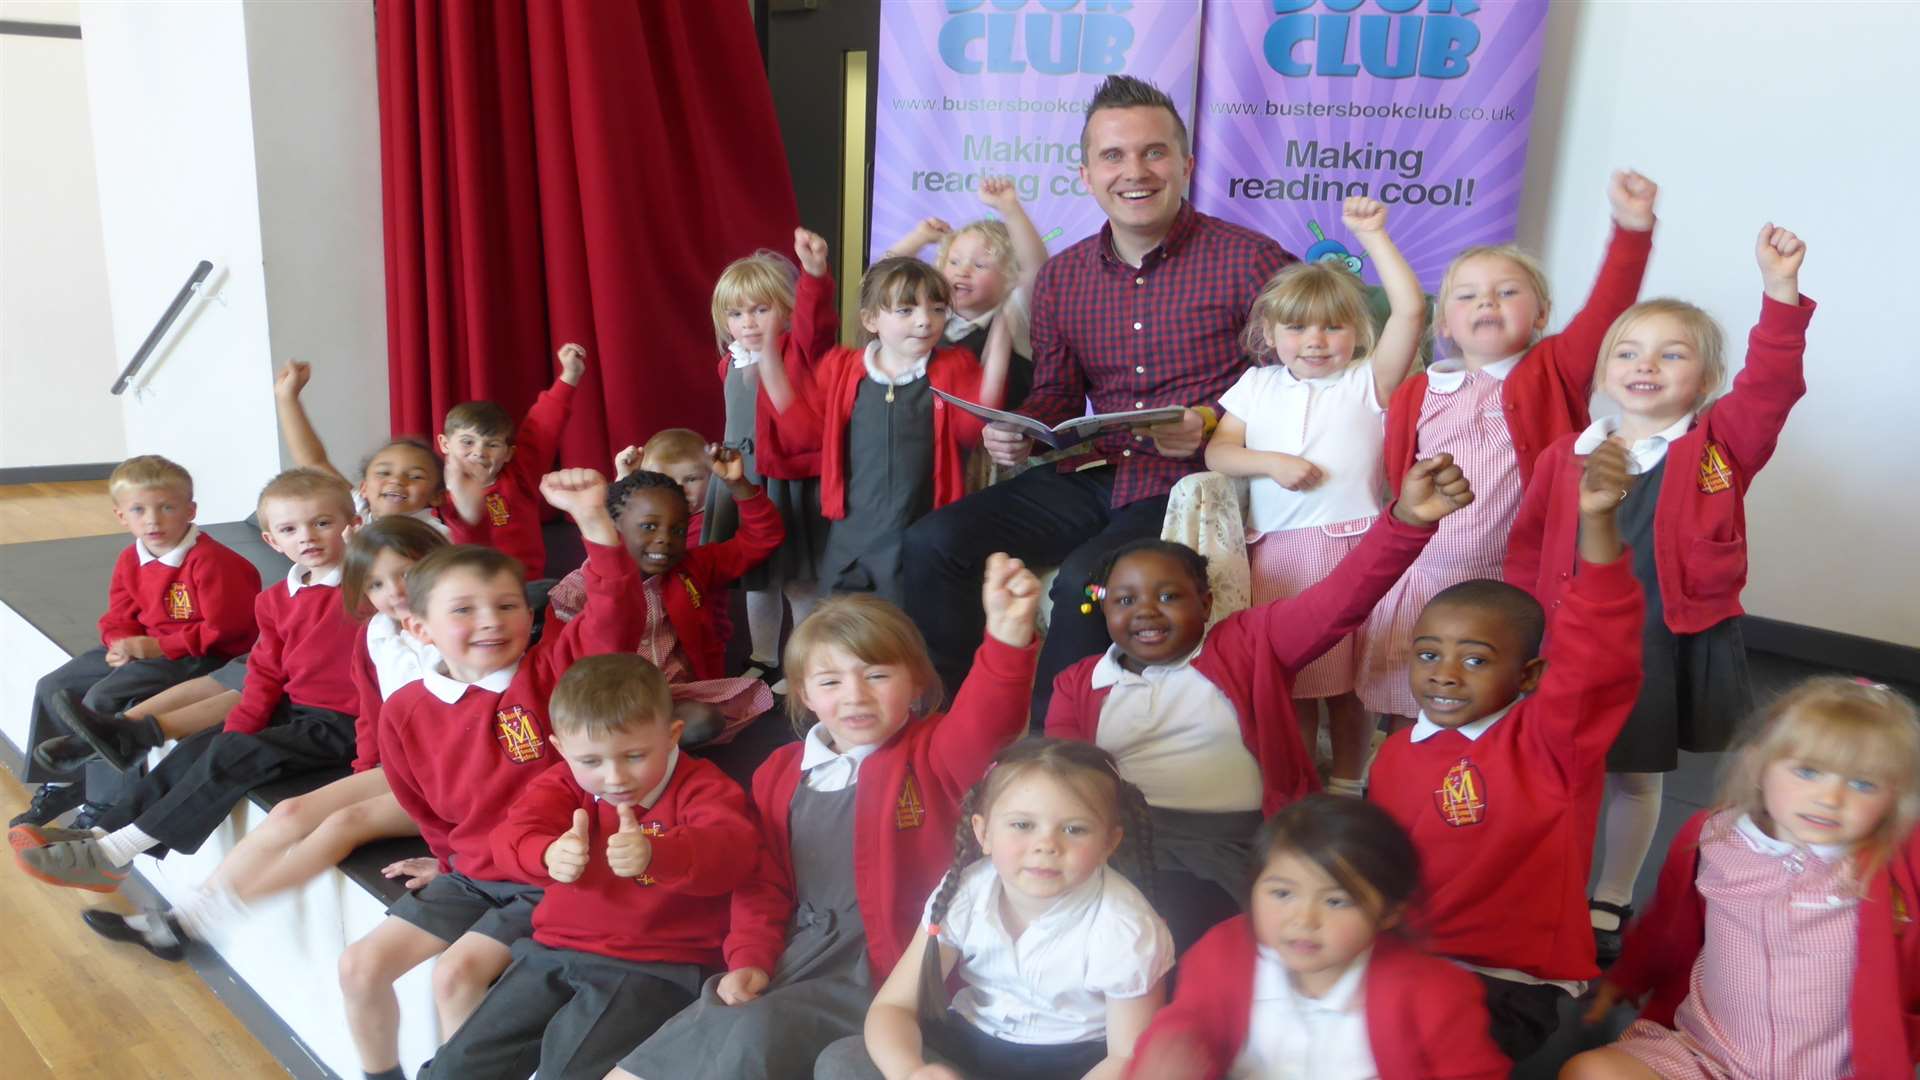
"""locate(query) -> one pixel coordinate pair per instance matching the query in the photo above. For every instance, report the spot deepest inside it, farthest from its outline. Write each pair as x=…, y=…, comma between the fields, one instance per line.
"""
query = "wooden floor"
x=73, y=1004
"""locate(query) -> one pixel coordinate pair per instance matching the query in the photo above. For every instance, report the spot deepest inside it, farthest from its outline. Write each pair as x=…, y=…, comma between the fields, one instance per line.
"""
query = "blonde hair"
x=993, y=236
x=1310, y=293
x=1530, y=266
x=675, y=446
x=612, y=692
x=898, y=278
x=869, y=629
x=1703, y=335
x=148, y=471
x=304, y=483
x=764, y=277
x=1839, y=725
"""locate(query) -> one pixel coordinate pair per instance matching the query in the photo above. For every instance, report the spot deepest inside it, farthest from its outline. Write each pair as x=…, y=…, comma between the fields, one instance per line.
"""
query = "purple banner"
x=973, y=88
x=1422, y=104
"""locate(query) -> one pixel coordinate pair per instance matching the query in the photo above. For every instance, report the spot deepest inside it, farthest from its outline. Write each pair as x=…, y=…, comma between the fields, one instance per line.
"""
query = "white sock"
x=1628, y=821
x=1340, y=785
x=206, y=911
x=122, y=845
x=803, y=597
x=153, y=926
x=765, y=610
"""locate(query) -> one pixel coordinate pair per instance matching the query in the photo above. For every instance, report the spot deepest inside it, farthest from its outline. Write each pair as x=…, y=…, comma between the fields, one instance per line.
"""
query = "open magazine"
x=1071, y=432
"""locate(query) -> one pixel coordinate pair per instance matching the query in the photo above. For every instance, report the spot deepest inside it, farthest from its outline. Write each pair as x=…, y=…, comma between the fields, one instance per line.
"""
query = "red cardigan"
x=302, y=640
x=952, y=368
x=789, y=449
x=510, y=516
x=905, y=810
x=1663, y=943
x=695, y=595
x=1252, y=656
x=704, y=844
x=1547, y=393
x=1699, y=535
x=1425, y=1020
x=203, y=608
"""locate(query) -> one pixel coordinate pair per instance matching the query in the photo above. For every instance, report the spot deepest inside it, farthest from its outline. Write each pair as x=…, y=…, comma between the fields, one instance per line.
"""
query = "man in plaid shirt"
x=1148, y=312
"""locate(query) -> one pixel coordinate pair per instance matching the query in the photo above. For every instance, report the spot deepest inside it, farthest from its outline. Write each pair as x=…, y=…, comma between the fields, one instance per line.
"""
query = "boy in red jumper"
x=458, y=748
x=638, y=846
x=296, y=714
x=493, y=470
x=179, y=605
x=1499, y=780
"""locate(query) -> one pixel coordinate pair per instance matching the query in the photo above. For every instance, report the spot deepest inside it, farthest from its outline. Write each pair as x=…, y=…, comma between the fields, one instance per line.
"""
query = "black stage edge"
x=1882, y=660
x=55, y=474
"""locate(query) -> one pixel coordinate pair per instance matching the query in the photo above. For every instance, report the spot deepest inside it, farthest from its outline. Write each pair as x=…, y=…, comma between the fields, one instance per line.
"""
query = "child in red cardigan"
x=680, y=592
x=857, y=823
x=1501, y=395
x=637, y=846
x=1685, y=518
x=1204, y=722
x=1499, y=782
x=1314, y=980
x=1780, y=941
x=890, y=450
x=179, y=605
x=494, y=469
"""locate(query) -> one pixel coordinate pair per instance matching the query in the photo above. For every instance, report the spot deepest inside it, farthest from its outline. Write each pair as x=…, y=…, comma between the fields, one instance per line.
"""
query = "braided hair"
x=1089, y=771
x=622, y=489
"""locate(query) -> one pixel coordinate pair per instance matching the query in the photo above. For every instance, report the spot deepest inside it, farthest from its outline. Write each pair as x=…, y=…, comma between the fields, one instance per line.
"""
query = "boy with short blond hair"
x=296, y=713
x=637, y=846
x=179, y=605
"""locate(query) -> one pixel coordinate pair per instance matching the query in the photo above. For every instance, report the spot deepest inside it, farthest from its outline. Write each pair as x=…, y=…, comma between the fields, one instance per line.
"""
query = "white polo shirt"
x=1336, y=422
x=1294, y=1037
x=1175, y=736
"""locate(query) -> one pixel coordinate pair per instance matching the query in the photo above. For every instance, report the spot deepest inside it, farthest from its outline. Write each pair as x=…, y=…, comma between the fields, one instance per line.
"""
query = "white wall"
x=1799, y=114
x=56, y=334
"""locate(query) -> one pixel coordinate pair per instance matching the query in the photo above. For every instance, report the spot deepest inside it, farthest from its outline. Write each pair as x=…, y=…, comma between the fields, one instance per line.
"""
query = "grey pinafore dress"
x=798, y=556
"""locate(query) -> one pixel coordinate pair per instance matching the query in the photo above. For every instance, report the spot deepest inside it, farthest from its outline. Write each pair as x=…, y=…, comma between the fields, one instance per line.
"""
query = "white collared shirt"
x=175, y=557
x=1758, y=840
x=826, y=769
x=398, y=657
x=424, y=514
x=1643, y=455
x=1446, y=376
x=1336, y=422
x=872, y=359
x=450, y=690
x=1291, y=1036
x=1050, y=986
x=1175, y=736
x=1017, y=307
x=741, y=357
x=1424, y=729
x=296, y=573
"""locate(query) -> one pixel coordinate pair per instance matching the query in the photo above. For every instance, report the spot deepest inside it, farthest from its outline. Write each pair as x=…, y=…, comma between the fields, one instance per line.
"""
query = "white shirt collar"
x=836, y=769
x=959, y=326
x=449, y=689
x=1424, y=729
x=1109, y=672
x=296, y=571
x=918, y=371
x=1757, y=838
x=1272, y=983
x=173, y=558
x=1644, y=454
x=741, y=357
x=1446, y=376
x=1069, y=906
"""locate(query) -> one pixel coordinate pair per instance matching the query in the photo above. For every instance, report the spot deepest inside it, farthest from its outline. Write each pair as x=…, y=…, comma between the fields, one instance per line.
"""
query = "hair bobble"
x=1095, y=594
x=1869, y=683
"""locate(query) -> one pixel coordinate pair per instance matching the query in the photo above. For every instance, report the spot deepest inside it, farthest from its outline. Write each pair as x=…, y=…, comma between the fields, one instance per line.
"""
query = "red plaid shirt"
x=1164, y=333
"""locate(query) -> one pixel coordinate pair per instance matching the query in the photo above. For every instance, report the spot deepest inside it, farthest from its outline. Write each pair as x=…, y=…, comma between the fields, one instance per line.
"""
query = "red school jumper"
x=790, y=448
x=510, y=510
x=1252, y=656
x=303, y=640
x=457, y=768
x=1505, y=824
x=1547, y=393
x=1700, y=520
x=203, y=607
x=1662, y=945
x=1425, y=1020
x=905, y=809
x=704, y=844
x=952, y=369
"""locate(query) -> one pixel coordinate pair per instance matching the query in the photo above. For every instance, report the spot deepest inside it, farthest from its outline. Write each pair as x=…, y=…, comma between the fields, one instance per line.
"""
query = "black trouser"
x=193, y=789
x=103, y=689
x=1046, y=518
x=571, y=1014
x=1522, y=1015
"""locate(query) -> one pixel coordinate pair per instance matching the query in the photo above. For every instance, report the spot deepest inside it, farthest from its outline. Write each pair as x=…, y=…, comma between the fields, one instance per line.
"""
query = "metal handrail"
x=194, y=281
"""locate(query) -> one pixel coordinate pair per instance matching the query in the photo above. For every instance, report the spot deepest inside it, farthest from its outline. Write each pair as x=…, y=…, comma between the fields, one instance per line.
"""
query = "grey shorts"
x=232, y=675
x=454, y=904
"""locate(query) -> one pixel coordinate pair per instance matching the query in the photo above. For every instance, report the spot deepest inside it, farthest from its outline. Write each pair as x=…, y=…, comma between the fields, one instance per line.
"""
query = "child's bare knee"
x=293, y=815
x=460, y=972
x=1600, y=1064
x=363, y=969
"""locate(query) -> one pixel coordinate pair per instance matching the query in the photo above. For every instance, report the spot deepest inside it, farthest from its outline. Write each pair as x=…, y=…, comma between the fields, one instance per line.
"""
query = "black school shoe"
x=63, y=755
x=118, y=739
x=168, y=944
x=1607, y=943
x=49, y=802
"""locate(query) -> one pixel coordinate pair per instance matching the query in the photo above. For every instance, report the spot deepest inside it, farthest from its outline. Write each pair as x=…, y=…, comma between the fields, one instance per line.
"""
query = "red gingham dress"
x=1470, y=424
x=1769, y=993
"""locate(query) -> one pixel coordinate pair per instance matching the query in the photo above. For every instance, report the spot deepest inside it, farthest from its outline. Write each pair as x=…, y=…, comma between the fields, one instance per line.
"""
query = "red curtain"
x=570, y=170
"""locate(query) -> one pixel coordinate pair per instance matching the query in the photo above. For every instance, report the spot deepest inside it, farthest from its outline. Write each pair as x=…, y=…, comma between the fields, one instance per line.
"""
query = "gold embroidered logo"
x=519, y=735
x=179, y=602
x=650, y=829
x=1715, y=474
x=693, y=592
x=1462, y=797
x=909, y=812
x=497, y=508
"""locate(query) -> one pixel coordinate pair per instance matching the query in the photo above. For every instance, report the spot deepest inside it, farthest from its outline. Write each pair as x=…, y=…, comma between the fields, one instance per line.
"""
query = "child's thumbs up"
x=629, y=850
x=566, y=857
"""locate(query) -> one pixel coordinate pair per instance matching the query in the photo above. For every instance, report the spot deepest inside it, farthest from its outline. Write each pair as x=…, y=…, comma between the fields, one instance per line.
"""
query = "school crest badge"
x=1462, y=797
x=519, y=735
x=497, y=509
x=910, y=812
x=693, y=591
x=179, y=602
x=1715, y=474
